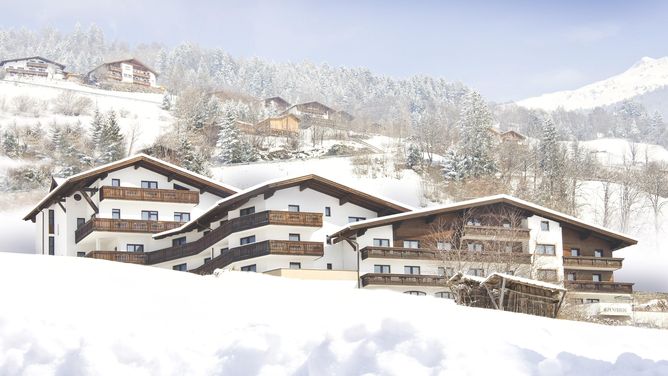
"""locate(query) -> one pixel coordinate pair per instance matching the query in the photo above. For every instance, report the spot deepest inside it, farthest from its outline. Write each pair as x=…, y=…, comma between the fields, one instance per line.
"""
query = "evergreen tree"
x=414, y=157
x=166, y=102
x=455, y=166
x=229, y=143
x=96, y=127
x=190, y=159
x=112, y=142
x=475, y=143
x=551, y=162
x=10, y=144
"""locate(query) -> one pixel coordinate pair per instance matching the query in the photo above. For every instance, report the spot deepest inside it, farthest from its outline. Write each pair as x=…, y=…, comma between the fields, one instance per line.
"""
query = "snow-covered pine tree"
x=112, y=142
x=552, y=165
x=10, y=144
x=189, y=158
x=475, y=143
x=166, y=102
x=229, y=143
x=414, y=157
x=96, y=127
x=455, y=166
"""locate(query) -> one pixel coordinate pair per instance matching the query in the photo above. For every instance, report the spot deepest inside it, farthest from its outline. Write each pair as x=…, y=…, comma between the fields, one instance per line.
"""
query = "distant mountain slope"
x=643, y=78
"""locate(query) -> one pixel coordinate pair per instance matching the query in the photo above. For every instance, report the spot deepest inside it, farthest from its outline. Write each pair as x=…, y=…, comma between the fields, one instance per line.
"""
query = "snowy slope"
x=613, y=151
x=141, y=110
x=645, y=76
x=74, y=316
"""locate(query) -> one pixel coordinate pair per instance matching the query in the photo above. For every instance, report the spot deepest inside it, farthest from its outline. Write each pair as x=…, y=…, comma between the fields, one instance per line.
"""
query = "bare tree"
x=654, y=185
x=629, y=192
x=134, y=133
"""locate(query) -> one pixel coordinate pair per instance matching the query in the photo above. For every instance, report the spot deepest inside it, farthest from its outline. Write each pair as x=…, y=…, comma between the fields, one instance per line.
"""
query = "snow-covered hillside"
x=75, y=316
x=645, y=76
x=614, y=151
x=139, y=111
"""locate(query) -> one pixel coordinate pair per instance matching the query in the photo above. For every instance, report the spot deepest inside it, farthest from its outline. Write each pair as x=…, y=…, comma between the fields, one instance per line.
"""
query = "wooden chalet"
x=128, y=71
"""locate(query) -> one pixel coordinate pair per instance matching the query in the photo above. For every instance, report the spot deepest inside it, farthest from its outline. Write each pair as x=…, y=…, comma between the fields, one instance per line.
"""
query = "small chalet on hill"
x=278, y=103
x=279, y=125
x=129, y=71
x=34, y=66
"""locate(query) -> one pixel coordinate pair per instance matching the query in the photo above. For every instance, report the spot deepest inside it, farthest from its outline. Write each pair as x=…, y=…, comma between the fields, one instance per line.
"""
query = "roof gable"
x=81, y=180
x=62, y=66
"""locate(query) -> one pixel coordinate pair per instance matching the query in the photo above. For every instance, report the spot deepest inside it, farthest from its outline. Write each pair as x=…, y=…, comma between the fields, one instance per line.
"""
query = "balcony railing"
x=269, y=217
x=267, y=247
x=123, y=225
x=36, y=65
x=605, y=287
x=129, y=257
x=497, y=232
x=145, y=194
x=450, y=255
x=403, y=279
x=593, y=262
x=29, y=72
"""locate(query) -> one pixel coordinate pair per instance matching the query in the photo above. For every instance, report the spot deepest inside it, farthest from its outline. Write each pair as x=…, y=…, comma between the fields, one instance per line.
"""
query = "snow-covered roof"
x=148, y=161
x=466, y=277
x=525, y=281
x=3, y=62
x=371, y=202
x=538, y=210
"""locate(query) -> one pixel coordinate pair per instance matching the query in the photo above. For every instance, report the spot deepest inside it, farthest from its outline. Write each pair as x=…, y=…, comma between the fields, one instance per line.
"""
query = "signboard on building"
x=614, y=309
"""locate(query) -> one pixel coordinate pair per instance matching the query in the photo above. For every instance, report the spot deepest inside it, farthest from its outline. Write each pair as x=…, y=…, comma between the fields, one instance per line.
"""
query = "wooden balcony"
x=496, y=232
x=36, y=65
x=386, y=279
x=267, y=247
x=145, y=194
x=602, y=287
x=443, y=255
x=129, y=257
x=123, y=225
x=585, y=262
x=28, y=72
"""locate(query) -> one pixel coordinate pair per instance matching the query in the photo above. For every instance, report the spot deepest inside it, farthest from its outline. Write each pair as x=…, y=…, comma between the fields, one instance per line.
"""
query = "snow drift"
x=73, y=316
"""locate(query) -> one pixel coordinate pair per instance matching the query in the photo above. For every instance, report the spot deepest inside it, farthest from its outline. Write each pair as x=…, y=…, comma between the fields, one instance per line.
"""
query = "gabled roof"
x=132, y=60
x=313, y=103
x=564, y=219
x=277, y=100
x=76, y=182
x=32, y=57
x=513, y=133
x=315, y=182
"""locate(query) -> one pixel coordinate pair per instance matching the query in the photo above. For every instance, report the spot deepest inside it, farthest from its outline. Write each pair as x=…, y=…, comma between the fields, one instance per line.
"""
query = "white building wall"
x=551, y=237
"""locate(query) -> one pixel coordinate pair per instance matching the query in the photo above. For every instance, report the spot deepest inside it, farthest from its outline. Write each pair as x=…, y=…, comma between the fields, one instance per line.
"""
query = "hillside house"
x=279, y=125
x=129, y=71
x=277, y=103
x=33, y=67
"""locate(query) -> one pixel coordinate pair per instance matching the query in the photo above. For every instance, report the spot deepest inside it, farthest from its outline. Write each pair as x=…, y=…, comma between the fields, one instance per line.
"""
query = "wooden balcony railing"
x=591, y=286
x=129, y=257
x=36, y=65
x=403, y=279
x=145, y=194
x=451, y=255
x=123, y=225
x=267, y=247
x=497, y=232
x=269, y=217
x=593, y=262
x=29, y=72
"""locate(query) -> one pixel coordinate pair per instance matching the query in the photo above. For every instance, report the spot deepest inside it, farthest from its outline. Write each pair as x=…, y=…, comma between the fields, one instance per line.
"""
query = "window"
x=52, y=221
x=478, y=272
x=80, y=222
x=247, y=240
x=52, y=245
x=294, y=237
x=149, y=215
x=295, y=265
x=207, y=259
x=249, y=268
x=328, y=211
x=545, y=249
x=544, y=226
x=596, y=277
x=570, y=276
x=506, y=224
x=591, y=301
x=181, y=267
x=181, y=217
x=135, y=247
x=149, y=184
x=449, y=272
x=178, y=241
x=81, y=254
x=473, y=222
x=222, y=250
x=575, y=252
x=381, y=269
x=441, y=271
x=381, y=242
x=444, y=295
x=547, y=274
x=417, y=293
x=411, y=244
x=115, y=213
x=474, y=247
x=293, y=208
x=443, y=246
x=411, y=270
x=329, y=266
x=356, y=219
x=115, y=182
x=598, y=253
x=180, y=187
x=247, y=211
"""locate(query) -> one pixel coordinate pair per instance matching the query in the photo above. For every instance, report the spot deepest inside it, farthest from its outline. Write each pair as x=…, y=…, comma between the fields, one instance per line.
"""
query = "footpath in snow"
x=75, y=316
